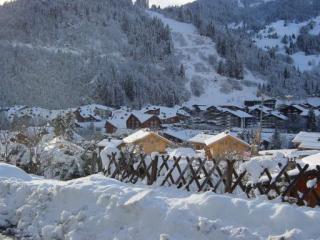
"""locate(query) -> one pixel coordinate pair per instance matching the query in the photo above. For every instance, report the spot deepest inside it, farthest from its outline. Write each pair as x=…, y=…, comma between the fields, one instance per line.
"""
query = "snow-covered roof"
x=222, y=135
x=238, y=113
x=141, y=134
x=142, y=117
x=312, y=160
x=306, y=136
x=290, y=153
x=308, y=140
x=120, y=123
x=268, y=111
x=183, y=135
x=200, y=138
x=110, y=143
x=166, y=112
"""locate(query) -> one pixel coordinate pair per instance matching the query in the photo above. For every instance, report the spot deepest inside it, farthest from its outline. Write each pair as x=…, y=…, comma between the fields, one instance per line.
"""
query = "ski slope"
x=194, y=52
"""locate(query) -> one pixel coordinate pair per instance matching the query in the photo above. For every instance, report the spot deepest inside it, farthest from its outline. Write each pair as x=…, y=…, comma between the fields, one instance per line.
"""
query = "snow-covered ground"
x=278, y=30
x=97, y=207
x=194, y=51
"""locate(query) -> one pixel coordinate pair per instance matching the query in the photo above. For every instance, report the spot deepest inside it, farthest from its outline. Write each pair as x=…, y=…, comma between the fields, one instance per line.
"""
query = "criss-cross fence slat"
x=208, y=175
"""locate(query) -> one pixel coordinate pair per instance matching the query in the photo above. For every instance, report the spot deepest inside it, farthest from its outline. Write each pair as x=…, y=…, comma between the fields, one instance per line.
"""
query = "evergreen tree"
x=182, y=71
x=276, y=140
x=311, y=121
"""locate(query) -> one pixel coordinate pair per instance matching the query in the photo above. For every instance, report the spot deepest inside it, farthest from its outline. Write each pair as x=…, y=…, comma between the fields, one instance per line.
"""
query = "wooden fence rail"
x=299, y=184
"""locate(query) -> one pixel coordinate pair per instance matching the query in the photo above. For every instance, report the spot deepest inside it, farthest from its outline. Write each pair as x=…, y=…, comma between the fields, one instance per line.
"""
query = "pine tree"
x=276, y=140
x=311, y=121
x=182, y=72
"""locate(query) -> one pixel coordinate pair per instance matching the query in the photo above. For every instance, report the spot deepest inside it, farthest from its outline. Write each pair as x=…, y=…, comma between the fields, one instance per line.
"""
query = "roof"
x=110, y=143
x=308, y=140
x=142, y=117
x=237, y=113
x=221, y=136
x=183, y=134
x=312, y=160
x=269, y=111
x=141, y=134
x=200, y=138
x=306, y=136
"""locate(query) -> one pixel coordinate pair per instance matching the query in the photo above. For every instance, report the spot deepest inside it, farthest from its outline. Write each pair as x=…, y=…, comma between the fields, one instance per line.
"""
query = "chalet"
x=307, y=141
x=82, y=116
x=226, y=146
x=227, y=117
x=220, y=146
x=167, y=115
x=142, y=120
x=269, y=103
x=148, y=141
x=270, y=118
x=199, y=108
x=294, y=109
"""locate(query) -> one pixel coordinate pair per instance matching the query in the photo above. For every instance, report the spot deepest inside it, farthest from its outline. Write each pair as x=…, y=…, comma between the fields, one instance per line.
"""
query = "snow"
x=221, y=136
x=97, y=207
x=312, y=183
x=200, y=138
x=256, y=165
x=238, y=113
x=194, y=52
x=110, y=142
x=182, y=152
x=109, y=151
x=290, y=153
x=141, y=134
x=301, y=61
x=182, y=134
x=9, y=171
x=312, y=160
x=308, y=140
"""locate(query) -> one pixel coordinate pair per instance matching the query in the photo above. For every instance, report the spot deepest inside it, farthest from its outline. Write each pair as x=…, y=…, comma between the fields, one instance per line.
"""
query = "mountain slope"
x=64, y=53
x=233, y=26
x=196, y=54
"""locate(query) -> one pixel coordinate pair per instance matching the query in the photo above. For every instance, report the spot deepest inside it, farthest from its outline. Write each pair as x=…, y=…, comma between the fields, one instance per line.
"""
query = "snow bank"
x=9, y=171
x=96, y=207
x=257, y=165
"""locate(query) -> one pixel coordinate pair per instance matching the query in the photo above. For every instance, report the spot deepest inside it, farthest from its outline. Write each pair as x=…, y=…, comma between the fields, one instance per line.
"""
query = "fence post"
x=154, y=171
x=229, y=176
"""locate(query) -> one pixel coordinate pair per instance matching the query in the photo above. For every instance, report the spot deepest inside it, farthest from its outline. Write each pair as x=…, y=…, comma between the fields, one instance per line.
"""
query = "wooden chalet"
x=270, y=118
x=148, y=141
x=221, y=146
x=141, y=120
x=81, y=117
x=225, y=146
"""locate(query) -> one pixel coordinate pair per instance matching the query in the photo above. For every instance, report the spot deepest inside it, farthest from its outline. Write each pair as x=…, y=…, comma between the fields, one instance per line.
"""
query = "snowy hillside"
x=97, y=207
x=281, y=34
x=58, y=54
x=194, y=52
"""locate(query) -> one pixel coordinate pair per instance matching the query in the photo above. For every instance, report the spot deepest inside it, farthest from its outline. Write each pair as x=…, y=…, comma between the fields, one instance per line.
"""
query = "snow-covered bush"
x=61, y=159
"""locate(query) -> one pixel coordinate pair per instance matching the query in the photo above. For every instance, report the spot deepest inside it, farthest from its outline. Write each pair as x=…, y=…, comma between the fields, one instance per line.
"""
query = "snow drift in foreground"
x=96, y=207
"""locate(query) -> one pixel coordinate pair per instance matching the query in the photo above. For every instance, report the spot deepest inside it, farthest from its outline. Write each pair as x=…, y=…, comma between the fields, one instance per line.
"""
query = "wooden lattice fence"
x=299, y=184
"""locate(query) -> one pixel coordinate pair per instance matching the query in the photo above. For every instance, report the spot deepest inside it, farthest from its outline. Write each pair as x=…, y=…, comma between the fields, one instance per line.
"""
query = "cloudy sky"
x=162, y=3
